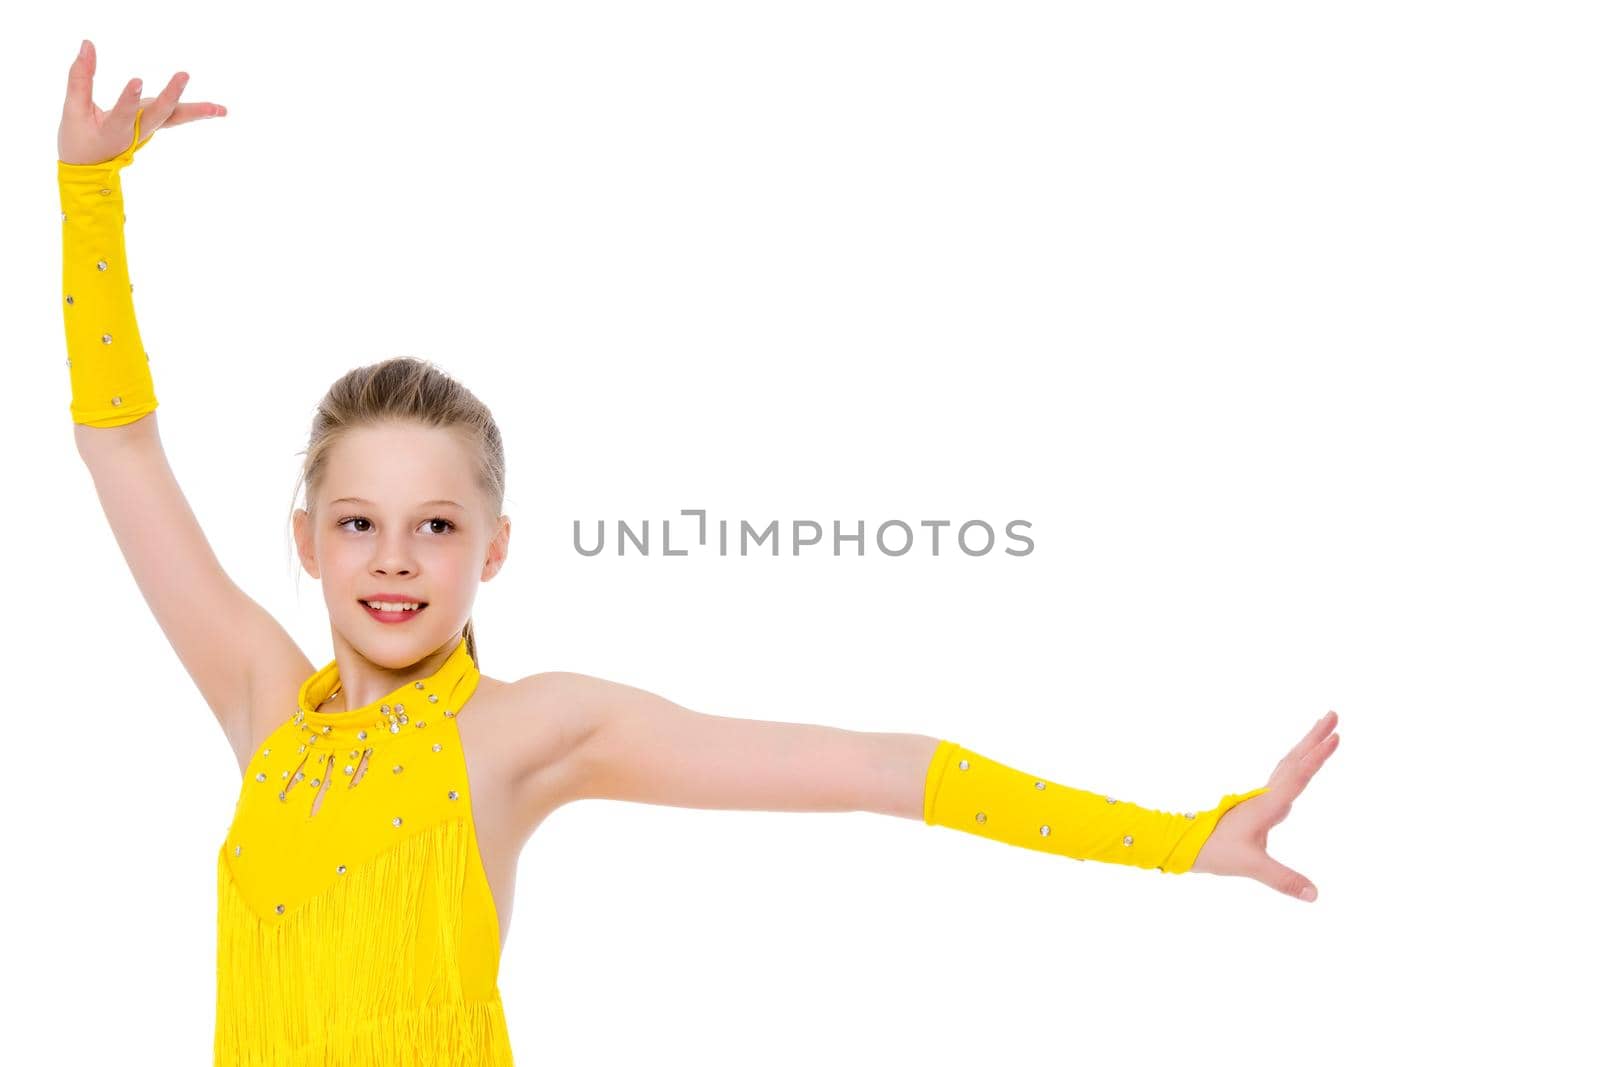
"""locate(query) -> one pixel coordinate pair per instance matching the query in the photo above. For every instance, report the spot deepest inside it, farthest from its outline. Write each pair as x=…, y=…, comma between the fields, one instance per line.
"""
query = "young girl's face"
x=380, y=525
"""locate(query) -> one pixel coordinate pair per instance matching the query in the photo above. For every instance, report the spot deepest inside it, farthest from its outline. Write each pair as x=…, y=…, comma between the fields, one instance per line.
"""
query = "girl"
x=385, y=797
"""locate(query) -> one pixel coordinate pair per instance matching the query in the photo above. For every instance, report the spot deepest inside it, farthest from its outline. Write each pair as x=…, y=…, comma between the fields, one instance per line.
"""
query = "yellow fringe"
x=367, y=972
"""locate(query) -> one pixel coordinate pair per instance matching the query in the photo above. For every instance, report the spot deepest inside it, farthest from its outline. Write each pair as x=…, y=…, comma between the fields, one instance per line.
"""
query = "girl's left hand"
x=1238, y=844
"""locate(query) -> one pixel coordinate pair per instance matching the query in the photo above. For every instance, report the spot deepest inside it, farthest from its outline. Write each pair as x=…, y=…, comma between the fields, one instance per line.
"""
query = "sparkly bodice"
x=355, y=921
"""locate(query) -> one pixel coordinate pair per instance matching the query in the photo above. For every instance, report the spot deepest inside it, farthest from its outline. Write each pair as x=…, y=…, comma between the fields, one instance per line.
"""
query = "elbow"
x=895, y=781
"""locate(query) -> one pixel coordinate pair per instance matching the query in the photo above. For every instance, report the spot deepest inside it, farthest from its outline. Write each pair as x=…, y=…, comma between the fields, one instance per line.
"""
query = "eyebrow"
x=424, y=504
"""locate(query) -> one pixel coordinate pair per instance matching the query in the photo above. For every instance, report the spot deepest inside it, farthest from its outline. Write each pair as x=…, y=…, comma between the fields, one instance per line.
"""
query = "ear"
x=304, y=544
x=498, y=547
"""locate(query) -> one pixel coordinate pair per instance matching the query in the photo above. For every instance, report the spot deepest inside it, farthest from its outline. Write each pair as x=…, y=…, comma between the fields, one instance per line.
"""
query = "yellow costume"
x=971, y=793
x=110, y=370
x=355, y=922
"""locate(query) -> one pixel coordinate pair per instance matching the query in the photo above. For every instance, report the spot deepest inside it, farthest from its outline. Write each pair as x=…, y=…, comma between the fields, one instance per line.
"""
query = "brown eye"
x=359, y=518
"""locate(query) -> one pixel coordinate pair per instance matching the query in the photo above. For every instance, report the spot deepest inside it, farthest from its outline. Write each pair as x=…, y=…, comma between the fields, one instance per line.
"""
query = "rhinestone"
x=63, y=216
x=354, y=752
x=341, y=868
x=1038, y=785
x=1110, y=801
x=315, y=782
x=1188, y=815
x=1044, y=831
x=261, y=777
x=100, y=264
x=301, y=749
x=452, y=794
x=420, y=724
x=417, y=684
x=437, y=746
x=348, y=768
x=116, y=401
x=1128, y=840
x=449, y=714
x=105, y=338
x=398, y=768
x=963, y=765
x=299, y=775
x=105, y=192
x=69, y=298
x=433, y=698
x=327, y=729
x=399, y=709
x=280, y=909
x=283, y=795
x=394, y=728
x=384, y=709
x=285, y=774
x=235, y=850
x=266, y=752
x=362, y=736
x=982, y=817
x=397, y=820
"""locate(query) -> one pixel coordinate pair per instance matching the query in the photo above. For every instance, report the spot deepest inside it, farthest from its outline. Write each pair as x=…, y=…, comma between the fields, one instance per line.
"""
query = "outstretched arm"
x=642, y=747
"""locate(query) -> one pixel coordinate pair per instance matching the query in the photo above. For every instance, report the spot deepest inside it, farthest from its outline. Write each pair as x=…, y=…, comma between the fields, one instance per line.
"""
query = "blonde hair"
x=400, y=390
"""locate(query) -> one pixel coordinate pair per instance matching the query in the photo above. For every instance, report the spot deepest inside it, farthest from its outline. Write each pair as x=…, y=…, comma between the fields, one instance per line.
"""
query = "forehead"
x=400, y=464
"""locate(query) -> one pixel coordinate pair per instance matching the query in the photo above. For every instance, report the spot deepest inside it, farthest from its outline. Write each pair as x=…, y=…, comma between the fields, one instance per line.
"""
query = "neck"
x=362, y=680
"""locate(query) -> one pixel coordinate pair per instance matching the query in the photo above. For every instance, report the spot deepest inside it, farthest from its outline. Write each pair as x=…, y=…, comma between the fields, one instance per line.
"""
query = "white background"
x=1277, y=322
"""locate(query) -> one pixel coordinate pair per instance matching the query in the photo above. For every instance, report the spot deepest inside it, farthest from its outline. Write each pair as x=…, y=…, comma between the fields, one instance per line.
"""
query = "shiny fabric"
x=976, y=795
x=108, y=366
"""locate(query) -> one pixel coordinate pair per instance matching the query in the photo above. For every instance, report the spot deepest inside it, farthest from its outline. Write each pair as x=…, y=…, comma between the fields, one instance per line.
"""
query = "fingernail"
x=83, y=49
x=1308, y=893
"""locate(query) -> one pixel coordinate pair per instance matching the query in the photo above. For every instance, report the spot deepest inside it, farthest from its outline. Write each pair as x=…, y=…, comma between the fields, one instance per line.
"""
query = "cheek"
x=339, y=561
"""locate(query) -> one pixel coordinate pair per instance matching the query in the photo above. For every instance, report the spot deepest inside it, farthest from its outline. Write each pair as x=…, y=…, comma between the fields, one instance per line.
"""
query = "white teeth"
x=391, y=606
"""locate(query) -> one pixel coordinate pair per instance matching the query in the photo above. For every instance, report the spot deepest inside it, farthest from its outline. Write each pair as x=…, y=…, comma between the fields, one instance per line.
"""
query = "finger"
x=121, y=115
x=1291, y=778
x=1319, y=730
x=1323, y=727
x=157, y=108
x=80, y=81
x=1313, y=760
x=1269, y=872
x=189, y=112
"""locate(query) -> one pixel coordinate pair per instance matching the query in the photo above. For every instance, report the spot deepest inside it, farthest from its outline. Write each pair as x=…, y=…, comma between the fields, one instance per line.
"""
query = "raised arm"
x=233, y=649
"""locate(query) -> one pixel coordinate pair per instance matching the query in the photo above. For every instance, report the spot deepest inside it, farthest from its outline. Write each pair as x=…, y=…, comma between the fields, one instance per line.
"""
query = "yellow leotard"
x=365, y=933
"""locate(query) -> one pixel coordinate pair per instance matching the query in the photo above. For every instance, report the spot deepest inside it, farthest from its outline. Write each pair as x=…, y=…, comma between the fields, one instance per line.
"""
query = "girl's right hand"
x=89, y=135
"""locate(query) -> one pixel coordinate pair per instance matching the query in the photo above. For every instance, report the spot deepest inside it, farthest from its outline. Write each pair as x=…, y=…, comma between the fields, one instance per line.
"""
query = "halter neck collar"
x=404, y=707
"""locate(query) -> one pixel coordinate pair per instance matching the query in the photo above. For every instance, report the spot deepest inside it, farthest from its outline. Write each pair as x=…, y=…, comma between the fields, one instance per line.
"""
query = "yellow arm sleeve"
x=109, y=368
x=967, y=792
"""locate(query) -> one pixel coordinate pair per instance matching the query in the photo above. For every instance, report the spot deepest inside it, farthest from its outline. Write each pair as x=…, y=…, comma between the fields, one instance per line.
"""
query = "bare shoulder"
x=530, y=735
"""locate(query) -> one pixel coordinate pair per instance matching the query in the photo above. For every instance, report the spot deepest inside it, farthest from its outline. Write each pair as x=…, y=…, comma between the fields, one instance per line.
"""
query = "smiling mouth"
x=388, y=608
